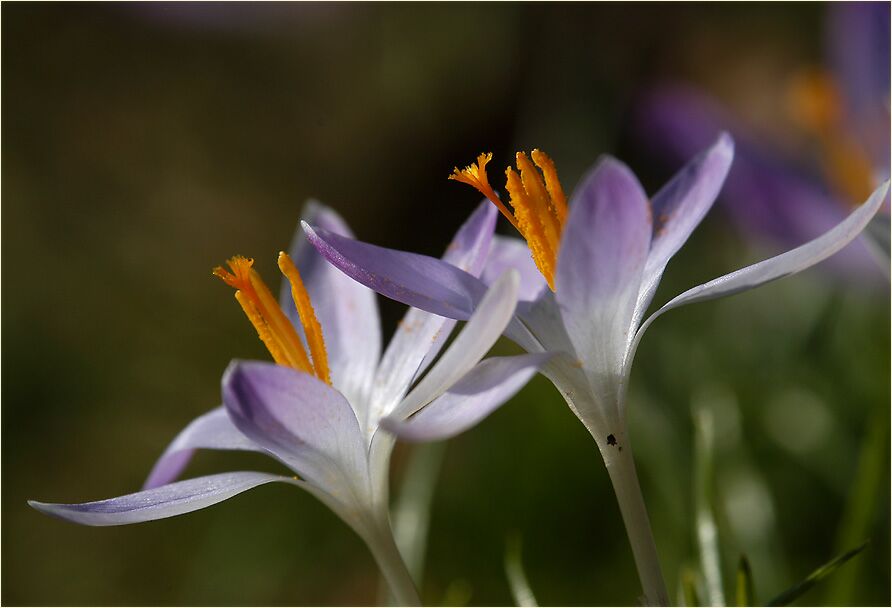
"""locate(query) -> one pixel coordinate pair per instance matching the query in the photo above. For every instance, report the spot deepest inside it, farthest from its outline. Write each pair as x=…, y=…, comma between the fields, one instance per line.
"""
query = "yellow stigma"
x=538, y=201
x=816, y=105
x=273, y=327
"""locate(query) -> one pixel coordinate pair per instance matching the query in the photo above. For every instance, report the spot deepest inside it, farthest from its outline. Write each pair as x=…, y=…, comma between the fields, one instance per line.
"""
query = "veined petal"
x=164, y=501
x=213, y=430
x=678, y=208
x=301, y=421
x=347, y=310
x=778, y=267
x=420, y=335
x=509, y=252
x=417, y=280
x=479, y=393
x=472, y=343
x=603, y=252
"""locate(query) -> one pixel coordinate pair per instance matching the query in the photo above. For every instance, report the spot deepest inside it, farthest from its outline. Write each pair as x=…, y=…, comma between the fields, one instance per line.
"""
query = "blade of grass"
x=517, y=578
x=861, y=507
x=746, y=593
x=707, y=530
x=794, y=592
x=687, y=588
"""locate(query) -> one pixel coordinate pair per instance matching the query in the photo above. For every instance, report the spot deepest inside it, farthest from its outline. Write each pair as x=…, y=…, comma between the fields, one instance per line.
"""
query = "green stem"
x=392, y=566
x=621, y=468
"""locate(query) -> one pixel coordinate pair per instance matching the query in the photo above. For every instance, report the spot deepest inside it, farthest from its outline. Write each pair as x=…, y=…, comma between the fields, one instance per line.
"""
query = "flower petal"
x=347, y=310
x=679, y=207
x=603, y=251
x=858, y=52
x=213, y=430
x=476, y=338
x=766, y=192
x=509, y=252
x=420, y=335
x=301, y=421
x=780, y=266
x=479, y=393
x=417, y=280
x=158, y=503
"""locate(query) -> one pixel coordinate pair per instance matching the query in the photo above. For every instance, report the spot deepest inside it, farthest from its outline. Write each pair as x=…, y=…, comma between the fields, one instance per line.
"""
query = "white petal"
x=476, y=338
x=211, y=431
x=479, y=393
x=159, y=503
x=347, y=310
x=778, y=267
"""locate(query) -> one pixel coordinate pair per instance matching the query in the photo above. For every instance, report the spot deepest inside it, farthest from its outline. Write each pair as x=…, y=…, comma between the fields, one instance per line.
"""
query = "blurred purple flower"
x=327, y=431
x=595, y=269
x=844, y=117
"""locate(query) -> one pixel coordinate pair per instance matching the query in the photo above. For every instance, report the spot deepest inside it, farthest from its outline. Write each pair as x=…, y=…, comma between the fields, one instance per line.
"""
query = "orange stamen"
x=538, y=202
x=552, y=184
x=531, y=226
x=312, y=329
x=475, y=176
x=273, y=327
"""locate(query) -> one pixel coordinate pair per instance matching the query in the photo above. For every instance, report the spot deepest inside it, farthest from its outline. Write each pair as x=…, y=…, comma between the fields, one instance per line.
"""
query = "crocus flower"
x=841, y=117
x=596, y=263
x=318, y=408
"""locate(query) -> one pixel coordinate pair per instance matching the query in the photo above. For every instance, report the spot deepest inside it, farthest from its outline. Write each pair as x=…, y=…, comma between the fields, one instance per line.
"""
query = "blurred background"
x=146, y=143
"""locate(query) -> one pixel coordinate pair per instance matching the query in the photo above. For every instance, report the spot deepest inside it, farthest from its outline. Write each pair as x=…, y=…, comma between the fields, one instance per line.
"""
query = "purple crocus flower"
x=842, y=114
x=320, y=414
x=595, y=267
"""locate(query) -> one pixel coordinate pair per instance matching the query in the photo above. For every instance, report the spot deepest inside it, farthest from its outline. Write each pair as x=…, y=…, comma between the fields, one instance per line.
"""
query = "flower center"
x=537, y=199
x=273, y=327
x=816, y=105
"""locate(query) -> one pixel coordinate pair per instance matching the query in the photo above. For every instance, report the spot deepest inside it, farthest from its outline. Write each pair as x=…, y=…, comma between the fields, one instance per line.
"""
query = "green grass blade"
x=707, y=529
x=517, y=578
x=746, y=592
x=793, y=593
x=871, y=477
x=687, y=588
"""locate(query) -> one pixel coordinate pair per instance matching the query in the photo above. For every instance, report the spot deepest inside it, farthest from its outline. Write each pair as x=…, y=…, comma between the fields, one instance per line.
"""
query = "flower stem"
x=392, y=566
x=621, y=468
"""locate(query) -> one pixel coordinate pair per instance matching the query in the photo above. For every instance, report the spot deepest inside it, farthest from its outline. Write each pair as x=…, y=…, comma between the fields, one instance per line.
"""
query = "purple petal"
x=486, y=387
x=478, y=335
x=420, y=335
x=417, y=280
x=779, y=266
x=347, y=311
x=509, y=252
x=213, y=430
x=603, y=251
x=766, y=193
x=470, y=245
x=299, y=419
x=858, y=51
x=678, y=209
x=158, y=503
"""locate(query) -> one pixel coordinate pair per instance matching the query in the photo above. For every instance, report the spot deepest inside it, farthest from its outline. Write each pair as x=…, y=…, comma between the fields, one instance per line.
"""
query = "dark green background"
x=144, y=144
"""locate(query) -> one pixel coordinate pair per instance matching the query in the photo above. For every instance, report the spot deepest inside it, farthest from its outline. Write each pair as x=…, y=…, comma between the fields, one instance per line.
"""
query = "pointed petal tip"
x=725, y=143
